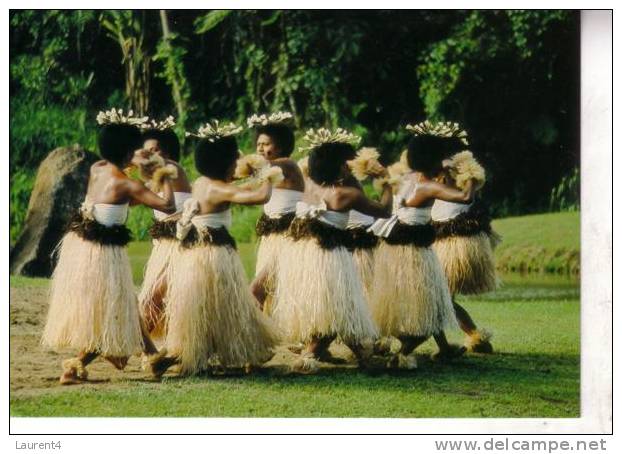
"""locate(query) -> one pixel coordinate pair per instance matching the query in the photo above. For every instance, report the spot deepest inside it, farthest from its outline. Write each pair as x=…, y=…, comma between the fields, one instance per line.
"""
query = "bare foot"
x=297, y=348
x=119, y=362
x=306, y=364
x=73, y=372
x=452, y=351
x=479, y=342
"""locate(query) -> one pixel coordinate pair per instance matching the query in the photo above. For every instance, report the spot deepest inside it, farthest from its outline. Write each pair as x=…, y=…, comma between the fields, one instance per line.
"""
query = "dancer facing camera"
x=160, y=139
x=410, y=298
x=319, y=295
x=212, y=320
x=93, y=307
x=274, y=140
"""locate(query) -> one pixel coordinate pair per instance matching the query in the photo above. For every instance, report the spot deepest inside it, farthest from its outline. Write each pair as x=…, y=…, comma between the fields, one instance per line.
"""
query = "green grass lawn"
x=541, y=242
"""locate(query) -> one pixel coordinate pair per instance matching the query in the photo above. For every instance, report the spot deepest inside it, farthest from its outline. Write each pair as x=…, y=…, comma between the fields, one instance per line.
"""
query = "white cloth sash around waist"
x=336, y=219
x=180, y=198
x=406, y=215
x=202, y=222
x=281, y=202
x=107, y=214
x=356, y=219
x=445, y=211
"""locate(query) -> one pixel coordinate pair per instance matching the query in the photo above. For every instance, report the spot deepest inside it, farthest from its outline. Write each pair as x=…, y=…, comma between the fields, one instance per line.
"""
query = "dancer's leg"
x=464, y=319
x=258, y=287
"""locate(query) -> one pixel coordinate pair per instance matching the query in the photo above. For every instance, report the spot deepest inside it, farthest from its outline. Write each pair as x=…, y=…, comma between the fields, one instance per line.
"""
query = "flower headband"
x=163, y=125
x=213, y=130
x=284, y=118
x=317, y=137
x=441, y=129
x=115, y=116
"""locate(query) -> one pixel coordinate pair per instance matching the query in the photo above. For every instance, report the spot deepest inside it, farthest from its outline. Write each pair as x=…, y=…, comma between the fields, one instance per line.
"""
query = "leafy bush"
x=35, y=130
x=566, y=195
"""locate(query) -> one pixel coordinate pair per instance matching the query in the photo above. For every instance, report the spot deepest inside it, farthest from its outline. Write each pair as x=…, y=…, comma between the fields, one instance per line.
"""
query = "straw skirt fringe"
x=268, y=252
x=468, y=263
x=364, y=263
x=319, y=293
x=211, y=315
x=409, y=293
x=93, y=306
x=157, y=275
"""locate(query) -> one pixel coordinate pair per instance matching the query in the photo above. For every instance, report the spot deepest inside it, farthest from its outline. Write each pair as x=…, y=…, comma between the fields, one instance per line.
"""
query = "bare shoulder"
x=286, y=164
x=98, y=165
x=347, y=193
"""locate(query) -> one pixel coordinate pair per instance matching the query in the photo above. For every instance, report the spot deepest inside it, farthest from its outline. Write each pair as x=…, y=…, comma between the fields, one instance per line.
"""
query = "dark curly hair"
x=215, y=159
x=426, y=153
x=117, y=142
x=282, y=135
x=168, y=140
x=326, y=161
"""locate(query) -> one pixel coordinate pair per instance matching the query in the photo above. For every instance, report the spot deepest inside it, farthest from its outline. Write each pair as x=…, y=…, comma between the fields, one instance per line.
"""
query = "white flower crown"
x=213, y=130
x=163, y=125
x=440, y=129
x=284, y=118
x=317, y=137
x=116, y=116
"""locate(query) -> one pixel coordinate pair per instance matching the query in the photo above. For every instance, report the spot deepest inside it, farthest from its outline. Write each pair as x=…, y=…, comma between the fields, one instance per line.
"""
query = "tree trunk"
x=177, y=98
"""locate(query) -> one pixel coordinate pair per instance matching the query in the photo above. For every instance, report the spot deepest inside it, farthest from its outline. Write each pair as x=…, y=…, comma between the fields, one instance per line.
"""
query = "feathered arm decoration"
x=157, y=180
x=365, y=164
x=254, y=169
x=464, y=167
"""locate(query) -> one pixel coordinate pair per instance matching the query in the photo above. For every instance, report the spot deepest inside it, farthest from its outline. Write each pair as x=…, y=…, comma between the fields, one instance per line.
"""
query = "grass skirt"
x=211, y=315
x=93, y=306
x=156, y=277
x=268, y=252
x=364, y=263
x=409, y=294
x=319, y=293
x=468, y=263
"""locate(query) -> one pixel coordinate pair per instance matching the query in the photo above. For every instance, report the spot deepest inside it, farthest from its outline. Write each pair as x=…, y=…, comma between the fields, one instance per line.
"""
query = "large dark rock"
x=59, y=190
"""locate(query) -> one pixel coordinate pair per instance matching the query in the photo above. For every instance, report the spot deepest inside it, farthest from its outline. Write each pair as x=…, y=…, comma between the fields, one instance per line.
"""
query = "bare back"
x=107, y=184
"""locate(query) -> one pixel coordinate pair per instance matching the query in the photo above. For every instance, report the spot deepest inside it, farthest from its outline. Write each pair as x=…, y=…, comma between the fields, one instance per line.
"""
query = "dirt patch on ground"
x=34, y=369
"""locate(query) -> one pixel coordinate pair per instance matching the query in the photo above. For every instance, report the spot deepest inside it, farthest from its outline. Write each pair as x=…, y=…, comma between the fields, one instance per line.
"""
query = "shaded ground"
x=535, y=371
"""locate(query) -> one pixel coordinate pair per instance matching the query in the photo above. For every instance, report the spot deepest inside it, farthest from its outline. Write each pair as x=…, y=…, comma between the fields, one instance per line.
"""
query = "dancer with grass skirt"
x=212, y=321
x=93, y=307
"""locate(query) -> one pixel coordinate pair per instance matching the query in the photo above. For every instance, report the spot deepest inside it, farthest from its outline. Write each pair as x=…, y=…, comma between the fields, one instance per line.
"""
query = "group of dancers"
x=333, y=264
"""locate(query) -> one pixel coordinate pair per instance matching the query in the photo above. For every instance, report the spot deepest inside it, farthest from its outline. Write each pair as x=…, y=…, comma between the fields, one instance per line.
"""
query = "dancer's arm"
x=140, y=194
x=435, y=190
x=370, y=207
x=242, y=196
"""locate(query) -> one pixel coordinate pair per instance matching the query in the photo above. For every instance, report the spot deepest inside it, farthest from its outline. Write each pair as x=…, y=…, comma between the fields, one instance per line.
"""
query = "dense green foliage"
x=510, y=77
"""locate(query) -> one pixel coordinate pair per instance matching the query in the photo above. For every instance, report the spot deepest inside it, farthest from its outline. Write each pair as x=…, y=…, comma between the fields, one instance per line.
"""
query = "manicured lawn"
x=540, y=242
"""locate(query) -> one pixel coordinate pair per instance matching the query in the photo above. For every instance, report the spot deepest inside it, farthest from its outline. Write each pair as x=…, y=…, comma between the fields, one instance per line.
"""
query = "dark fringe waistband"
x=163, y=229
x=420, y=235
x=91, y=230
x=216, y=237
x=327, y=236
x=473, y=222
x=267, y=225
x=360, y=238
